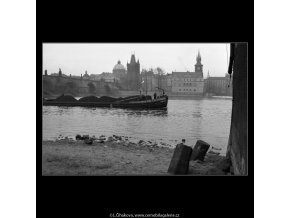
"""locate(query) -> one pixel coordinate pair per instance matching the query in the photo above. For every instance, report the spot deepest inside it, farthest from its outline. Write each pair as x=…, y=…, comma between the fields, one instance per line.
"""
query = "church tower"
x=59, y=72
x=133, y=73
x=198, y=65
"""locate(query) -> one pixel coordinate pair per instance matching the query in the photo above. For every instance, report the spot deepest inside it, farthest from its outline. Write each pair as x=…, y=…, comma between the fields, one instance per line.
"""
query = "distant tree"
x=92, y=88
x=118, y=85
x=60, y=89
x=47, y=85
x=122, y=84
x=71, y=87
x=107, y=88
x=160, y=73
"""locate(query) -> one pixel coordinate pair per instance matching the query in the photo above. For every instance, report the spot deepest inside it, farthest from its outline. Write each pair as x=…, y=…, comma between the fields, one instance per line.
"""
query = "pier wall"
x=238, y=141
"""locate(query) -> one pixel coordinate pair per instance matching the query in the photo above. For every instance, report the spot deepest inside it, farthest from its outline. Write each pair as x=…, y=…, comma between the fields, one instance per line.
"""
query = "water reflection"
x=197, y=114
x=122, y=112
x=134, y=112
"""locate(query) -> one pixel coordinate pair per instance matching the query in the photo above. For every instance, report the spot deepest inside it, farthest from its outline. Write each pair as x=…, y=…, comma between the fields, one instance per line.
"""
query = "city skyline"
x=96, y=58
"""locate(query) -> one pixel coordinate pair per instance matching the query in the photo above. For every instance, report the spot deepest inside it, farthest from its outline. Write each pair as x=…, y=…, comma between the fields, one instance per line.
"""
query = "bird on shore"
x=214, y=148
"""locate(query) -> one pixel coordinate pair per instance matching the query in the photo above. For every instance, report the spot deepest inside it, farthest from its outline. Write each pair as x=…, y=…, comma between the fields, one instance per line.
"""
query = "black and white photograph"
x=113, y=109
x=144, y=109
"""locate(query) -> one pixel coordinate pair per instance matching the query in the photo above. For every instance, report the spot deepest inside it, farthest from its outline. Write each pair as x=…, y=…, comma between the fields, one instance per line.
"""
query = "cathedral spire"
x=198, y=57
x=133, y=60
x=198, y=65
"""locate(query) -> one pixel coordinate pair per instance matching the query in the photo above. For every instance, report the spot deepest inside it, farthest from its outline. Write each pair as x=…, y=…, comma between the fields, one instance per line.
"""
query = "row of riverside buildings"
x=176, y=83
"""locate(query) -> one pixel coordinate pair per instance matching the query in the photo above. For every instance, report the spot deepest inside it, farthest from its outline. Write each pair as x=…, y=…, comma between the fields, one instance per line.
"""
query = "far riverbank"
x=131, y=93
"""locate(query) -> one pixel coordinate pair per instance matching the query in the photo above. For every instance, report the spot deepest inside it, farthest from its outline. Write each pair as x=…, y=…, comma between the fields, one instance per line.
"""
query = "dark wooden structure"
x=199, y=150
x=134, y=103
x=237, y=149
x=180, y=161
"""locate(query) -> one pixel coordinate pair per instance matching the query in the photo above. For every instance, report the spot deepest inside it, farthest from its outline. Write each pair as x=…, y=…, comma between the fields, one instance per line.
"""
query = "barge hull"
x=148, y=104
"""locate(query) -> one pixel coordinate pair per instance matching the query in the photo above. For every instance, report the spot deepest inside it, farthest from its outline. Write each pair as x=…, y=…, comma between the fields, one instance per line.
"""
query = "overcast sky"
x=76, y=58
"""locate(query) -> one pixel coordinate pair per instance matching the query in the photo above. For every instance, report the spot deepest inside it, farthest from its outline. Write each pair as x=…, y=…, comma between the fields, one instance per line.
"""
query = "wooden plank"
x=180, y=160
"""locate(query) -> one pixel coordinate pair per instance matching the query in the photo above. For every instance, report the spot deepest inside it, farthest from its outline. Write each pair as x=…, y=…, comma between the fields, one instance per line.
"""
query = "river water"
x=207, y=119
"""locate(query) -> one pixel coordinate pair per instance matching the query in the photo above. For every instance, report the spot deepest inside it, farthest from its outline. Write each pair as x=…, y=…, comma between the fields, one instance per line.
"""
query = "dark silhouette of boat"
x=138, y=101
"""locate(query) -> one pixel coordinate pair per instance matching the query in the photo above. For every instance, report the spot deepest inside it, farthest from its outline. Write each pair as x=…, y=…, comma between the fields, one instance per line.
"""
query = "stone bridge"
x=60, y=84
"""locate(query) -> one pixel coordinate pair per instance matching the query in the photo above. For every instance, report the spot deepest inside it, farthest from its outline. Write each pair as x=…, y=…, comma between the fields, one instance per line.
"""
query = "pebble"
x=79, y=137
x=89, y=141
x=86, y=136
x=110, y=139
x=118, y=137
x=124, y=141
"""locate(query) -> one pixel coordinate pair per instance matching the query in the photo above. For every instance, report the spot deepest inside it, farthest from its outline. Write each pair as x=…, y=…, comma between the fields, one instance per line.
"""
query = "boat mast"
x=146, y=83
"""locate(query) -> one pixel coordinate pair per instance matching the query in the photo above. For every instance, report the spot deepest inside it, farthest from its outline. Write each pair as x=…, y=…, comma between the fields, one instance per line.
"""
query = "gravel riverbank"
x=115, y=156
x=69, y=157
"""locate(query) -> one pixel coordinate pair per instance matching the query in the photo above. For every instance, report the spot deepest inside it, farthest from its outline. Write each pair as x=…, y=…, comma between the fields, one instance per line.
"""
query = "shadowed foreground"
x=73, y=158
x=109, y=158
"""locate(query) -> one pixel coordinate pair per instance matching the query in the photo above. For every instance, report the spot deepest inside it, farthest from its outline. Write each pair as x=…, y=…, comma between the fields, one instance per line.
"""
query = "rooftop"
x=119, y=66
x=188, y=74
